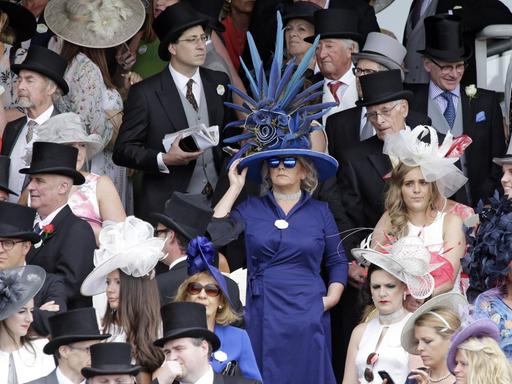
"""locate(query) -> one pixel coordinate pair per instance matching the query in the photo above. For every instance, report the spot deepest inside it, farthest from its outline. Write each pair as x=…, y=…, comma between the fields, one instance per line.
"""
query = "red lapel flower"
x=48, y=231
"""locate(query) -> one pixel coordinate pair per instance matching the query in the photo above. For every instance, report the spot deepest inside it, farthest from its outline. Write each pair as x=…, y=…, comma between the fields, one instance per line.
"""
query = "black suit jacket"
x=154, y=109
x=488, y=137
x=52, y=289
x=68, y=253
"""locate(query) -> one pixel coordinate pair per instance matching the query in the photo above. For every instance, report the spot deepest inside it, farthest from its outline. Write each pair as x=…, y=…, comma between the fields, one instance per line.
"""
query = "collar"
x=434, y=90
x=62, y=379
x=347, y=78
x=207, y=378
x=181, y=80
x=48, y=219
x=43, y=116
x=178, y=260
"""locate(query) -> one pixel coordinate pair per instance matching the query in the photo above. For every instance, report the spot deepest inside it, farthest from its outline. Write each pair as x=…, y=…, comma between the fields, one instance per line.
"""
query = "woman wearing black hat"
x=21, y=357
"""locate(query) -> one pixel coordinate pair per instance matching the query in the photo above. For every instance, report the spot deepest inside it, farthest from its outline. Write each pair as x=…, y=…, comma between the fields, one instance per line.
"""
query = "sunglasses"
x=211, y=290
x=371, y=360
x=288, y=162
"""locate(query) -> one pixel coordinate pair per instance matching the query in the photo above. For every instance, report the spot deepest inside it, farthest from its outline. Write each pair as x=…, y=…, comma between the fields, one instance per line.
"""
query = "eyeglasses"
x=7, y=245
x=358, y=72
x=288, y=162
x=385, y=112
x=212, y=290
x=447, y=69
x=371, y=360
x=195, y=40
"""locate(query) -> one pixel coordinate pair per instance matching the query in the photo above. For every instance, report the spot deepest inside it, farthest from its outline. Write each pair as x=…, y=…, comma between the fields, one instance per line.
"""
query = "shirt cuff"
x=161, y=165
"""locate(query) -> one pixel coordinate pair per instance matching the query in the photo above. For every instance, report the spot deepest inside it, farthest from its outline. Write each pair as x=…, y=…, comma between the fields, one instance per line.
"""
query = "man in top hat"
x=187, y=216
x=187, y=344
x=16, y=240
x=475, y=15
x=183, y=95
x=5, y=162
x=471, y=111
x=40, y=82
x=339, y=39
x=67, y=242
x=71, y=335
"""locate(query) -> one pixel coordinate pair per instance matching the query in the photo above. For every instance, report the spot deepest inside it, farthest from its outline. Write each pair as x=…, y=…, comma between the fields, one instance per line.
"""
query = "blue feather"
x=237, y=107
x=245, y=97
x=242, y=136
x=252, y=83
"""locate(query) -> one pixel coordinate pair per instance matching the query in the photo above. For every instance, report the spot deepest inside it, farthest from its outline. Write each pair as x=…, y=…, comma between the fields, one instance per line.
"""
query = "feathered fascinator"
x=436, y=161
x=129, y=246
x=201, y=258
x=490, y=248
x=18, y=286
x=279, y=115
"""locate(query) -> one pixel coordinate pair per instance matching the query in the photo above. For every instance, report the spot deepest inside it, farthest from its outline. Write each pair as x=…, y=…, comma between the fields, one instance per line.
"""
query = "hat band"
x=442, y=319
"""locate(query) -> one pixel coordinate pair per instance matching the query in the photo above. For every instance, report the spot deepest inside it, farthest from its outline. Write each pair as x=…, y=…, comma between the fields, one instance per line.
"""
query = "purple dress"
x=289, y=331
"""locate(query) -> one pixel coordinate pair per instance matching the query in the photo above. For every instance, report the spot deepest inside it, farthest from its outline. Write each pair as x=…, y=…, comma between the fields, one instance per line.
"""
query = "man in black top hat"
x=71, y=335
x=67, y=242
x=16, y=240
x=187, y=344
x=181, y=96
x=471, y=111
x=40, y=82
x=187, y=216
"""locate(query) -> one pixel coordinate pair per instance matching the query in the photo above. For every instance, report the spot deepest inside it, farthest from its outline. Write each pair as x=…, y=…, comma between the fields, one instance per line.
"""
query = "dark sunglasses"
x=288, y=162
x=371, y=360
x=211, y=290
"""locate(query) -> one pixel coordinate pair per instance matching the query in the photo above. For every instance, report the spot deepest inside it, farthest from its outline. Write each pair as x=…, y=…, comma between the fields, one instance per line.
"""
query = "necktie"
x=12, y=377
x=367, y=131
x=37, y=228
x=334, y=86
x=449, y=112
x=416, y=12
x=30, y=131
x=190, y=95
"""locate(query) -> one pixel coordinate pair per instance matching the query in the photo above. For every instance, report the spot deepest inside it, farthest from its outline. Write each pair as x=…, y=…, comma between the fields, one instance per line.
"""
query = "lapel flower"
x=220, y=90
x=471, y=91
x=48, y=231
x=220, y=356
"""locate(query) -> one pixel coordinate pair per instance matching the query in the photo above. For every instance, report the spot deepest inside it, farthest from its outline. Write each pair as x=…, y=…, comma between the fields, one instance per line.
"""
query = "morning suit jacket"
x=154, y=109
x=49, y=379
x=219, y=379
x=343, y=129
x=52, y=289
x=68, y=253
x=487, y=134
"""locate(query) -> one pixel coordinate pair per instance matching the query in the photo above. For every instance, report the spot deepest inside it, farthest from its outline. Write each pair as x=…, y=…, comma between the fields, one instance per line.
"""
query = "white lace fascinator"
x=408, y=259
x=435, y=161
x=129, y=246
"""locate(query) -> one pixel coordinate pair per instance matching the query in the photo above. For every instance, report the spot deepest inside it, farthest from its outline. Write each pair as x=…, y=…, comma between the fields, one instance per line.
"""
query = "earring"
x=220, y=307
x=405, y=295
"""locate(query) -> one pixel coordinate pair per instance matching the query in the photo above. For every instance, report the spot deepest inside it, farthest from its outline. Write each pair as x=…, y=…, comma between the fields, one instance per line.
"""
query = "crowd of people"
x=241, y=191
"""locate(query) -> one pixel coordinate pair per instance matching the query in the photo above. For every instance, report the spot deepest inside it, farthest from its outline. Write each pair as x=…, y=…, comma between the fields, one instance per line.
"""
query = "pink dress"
x=84, y=202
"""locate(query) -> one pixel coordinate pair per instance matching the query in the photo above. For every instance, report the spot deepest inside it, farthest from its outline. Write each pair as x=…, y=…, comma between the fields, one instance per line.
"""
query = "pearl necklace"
x=287, y=197
x=392, y=317
x=440, y=379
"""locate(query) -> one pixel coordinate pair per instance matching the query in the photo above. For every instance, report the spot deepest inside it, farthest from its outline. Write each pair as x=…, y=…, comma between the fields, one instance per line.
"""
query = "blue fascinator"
x=490, y=248
x=280, y=112
x=18, y=286
x=200, y=258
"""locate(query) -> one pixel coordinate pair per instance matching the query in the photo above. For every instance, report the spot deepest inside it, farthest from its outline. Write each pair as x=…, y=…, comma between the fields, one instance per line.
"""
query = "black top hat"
x=53, y=158
x=5, y=162
x=381, y=87
x=304, y=10
x=21, y=20
x=72, y=326
x=186, y=319
x=47, y=63
x=188, y=214
x=211, y=9
x=444, y=39
x=17, y=222
x=169, y=25
x=336, y=24
x=110, y=359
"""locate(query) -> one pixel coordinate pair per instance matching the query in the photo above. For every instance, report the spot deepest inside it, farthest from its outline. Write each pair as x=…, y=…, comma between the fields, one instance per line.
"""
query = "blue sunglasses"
x=288, y=162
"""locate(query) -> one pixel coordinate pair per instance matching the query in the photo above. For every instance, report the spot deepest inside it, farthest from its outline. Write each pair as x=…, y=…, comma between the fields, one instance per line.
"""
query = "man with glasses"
x=183, y=95
x=71, y=335
x=471, y=111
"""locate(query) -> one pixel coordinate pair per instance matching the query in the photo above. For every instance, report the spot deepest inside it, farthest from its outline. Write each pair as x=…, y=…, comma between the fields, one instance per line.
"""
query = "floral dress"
x=8, y=77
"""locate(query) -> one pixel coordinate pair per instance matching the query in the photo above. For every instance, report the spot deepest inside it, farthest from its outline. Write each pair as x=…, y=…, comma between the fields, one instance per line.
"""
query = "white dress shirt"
x=63, y=379
x=207, y=378
x=48, y=219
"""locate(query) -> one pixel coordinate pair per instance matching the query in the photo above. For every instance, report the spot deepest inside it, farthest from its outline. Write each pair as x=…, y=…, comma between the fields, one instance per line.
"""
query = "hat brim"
x=339, y=35
x=326, y=165
x=383, y=60
x=384, y=98
x=21, y=20
x=188, y=232
x=56, y=342
x=173, y=34
x=294, y=16
x=89, y=372
x=78, y=178
x=40, y=68
x=449, y=300
x=479, y=328
x=447, y=56
x=8, y=230
x=201, y=333
x=5, y=188
x=502, y=160
x=95, y=282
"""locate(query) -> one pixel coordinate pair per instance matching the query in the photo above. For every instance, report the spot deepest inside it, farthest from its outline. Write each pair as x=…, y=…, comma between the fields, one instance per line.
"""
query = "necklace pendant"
x=281, y=224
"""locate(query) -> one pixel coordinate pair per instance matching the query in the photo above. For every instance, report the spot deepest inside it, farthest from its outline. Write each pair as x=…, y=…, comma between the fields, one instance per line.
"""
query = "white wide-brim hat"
x=450, y=300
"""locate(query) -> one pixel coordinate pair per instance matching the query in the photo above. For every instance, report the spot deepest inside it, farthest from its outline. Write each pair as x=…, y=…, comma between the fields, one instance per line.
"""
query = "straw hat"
x=95, y=23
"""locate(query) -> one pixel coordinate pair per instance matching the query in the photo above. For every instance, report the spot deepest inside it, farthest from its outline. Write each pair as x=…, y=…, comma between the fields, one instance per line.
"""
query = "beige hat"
x=95, y=23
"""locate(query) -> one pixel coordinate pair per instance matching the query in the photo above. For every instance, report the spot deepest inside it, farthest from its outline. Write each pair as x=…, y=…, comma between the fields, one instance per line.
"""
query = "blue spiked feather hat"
x=279, y=114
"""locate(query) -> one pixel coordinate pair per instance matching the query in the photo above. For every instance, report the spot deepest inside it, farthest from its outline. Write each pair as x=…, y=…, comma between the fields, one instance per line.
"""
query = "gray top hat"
x=382, y=49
